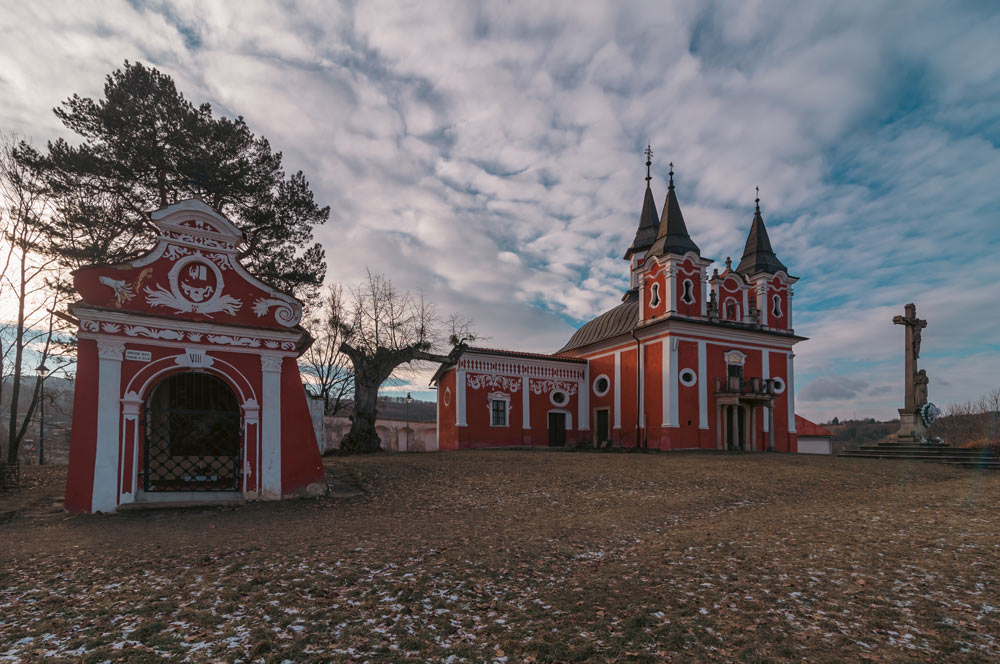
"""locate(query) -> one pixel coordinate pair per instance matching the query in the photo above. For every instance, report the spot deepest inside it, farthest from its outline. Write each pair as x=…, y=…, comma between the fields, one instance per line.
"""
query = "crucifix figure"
x=914, y=326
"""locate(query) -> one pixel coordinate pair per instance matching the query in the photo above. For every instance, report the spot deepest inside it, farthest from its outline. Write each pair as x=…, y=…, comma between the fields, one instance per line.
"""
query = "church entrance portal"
x=193, y=434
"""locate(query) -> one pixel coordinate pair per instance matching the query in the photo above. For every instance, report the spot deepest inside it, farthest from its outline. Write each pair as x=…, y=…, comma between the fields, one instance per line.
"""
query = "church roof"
x=672, y=236
x=612, y=323
x=648, y=223
x=645, y=235
x=758, y=256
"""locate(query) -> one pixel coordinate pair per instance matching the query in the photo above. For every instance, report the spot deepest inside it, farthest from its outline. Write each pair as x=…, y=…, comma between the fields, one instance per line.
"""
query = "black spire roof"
x=672, y=236
x=648, y=223
x=758, y=256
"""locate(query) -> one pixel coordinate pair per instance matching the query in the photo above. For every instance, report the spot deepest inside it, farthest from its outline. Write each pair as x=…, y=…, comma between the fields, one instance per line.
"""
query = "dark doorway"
x=736, y=433
x=557, y=429
x=193, y=434
x=603, y=431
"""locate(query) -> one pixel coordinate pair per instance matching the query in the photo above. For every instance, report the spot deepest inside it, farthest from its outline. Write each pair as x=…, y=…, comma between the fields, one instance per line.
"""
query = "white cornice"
x=122, y=318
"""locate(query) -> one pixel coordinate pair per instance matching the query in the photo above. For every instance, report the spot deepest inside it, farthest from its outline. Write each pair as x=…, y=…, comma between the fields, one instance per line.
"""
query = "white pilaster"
x=270, y=426
x=460, y=397
x=106, y=461
x=525, y=404
x=640, y=364
x=670, y=414
x=788, y=312
x=765, y=370
x=790, y=391
x=704, y=292
x=746, y=305
x=670, y=282
x=702, y=386
x=618, y=389
x=762, y=305
x=583, y=399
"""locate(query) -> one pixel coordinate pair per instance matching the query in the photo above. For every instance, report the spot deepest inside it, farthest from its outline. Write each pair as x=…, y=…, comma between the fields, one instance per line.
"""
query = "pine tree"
x=144, y=146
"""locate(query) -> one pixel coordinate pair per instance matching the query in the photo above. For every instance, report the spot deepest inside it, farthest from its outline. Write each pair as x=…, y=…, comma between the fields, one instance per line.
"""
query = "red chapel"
x=187, y=383
x=686, y=361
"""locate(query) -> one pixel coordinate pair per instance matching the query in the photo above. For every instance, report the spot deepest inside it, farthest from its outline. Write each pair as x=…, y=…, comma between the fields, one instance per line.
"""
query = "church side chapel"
x=187, y=384
x=686, y=361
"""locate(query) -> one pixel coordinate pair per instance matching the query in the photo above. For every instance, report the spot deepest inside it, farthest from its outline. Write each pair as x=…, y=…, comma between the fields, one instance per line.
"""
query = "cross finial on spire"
x=649, y=162
x=671, y=183
x=757, y=200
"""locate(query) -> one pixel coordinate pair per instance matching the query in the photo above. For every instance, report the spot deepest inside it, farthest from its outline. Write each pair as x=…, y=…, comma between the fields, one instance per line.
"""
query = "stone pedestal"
x=911, y=426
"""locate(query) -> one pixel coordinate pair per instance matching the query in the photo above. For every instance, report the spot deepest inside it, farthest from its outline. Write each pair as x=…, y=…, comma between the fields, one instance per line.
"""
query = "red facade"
x=687, y=361
x=187, y=382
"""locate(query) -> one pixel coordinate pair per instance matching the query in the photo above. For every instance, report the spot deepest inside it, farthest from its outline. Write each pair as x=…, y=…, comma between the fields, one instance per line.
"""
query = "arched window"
x=687, y=297
x=776, y=306
x=654, y=295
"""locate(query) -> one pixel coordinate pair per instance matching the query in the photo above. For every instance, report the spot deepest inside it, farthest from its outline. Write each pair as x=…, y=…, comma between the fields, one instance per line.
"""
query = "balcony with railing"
x=736, y=388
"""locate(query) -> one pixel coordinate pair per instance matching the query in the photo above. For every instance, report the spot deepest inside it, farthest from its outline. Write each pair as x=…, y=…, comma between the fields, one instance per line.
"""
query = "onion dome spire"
x=672, y=237
x=758, y=256
x=648, y=223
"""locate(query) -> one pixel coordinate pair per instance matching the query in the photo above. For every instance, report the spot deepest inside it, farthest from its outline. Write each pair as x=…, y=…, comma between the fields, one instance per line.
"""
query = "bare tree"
x=385, y=329
x=329, y=368
x=30, y=336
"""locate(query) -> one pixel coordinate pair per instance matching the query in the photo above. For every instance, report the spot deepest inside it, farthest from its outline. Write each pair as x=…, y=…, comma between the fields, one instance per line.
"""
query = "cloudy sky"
x=491, y=155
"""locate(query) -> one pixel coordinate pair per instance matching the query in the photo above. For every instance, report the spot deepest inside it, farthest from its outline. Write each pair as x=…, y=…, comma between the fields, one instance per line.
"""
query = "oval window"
x=558, y=397
x=601, y=385
x=688, y=377
x=779, y=385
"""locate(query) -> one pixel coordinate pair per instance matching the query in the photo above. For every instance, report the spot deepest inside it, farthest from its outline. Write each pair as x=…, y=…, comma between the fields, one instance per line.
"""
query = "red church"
x=686, y=361
x=187, y=383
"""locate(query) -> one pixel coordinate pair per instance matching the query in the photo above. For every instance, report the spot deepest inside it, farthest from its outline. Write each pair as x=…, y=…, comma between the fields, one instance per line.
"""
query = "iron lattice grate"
x=192, y=450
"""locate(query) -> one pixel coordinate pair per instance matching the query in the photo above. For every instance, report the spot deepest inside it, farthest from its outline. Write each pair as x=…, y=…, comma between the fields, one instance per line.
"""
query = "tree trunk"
x=362, y=438
x=369, y=374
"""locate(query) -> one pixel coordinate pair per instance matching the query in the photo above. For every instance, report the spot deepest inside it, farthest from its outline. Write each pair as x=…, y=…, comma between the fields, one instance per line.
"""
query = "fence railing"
x=737, y=385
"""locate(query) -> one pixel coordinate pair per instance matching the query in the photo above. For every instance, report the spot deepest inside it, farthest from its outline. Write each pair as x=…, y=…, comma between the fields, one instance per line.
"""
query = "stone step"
x=914, y=457
x=946, y=452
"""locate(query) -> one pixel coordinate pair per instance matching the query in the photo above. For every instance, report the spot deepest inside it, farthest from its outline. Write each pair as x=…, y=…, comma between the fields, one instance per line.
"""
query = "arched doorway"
x=193, y=435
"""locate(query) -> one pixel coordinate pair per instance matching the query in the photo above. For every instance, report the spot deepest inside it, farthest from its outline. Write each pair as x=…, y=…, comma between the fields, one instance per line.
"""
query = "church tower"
x=672, y=278
x=768, y=277
x=645, y=235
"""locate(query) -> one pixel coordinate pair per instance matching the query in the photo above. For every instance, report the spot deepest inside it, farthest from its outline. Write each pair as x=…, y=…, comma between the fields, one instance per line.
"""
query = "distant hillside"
x=852, y=433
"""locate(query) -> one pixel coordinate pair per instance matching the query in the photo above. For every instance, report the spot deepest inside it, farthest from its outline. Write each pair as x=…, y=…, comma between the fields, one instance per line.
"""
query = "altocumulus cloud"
x=490, y=154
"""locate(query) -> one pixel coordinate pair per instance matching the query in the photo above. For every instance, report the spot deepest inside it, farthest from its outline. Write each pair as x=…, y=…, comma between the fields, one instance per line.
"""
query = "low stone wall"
x=396, y=435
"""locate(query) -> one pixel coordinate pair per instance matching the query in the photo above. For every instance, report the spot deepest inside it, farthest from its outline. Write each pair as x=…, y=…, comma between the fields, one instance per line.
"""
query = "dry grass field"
x=521, y=556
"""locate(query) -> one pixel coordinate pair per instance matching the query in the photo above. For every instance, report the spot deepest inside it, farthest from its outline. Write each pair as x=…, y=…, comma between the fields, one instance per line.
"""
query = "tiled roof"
x=517, y=353
x=619, y=320
x=806, y=428
x=758, y=256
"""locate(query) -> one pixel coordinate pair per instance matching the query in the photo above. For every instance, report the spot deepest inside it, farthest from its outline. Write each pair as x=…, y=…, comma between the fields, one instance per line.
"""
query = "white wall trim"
x=618, y=390
x=790, y=389
x=702, y=385
x=525, y=404
x=460, y=397
x=106, y=460
x=270, y=426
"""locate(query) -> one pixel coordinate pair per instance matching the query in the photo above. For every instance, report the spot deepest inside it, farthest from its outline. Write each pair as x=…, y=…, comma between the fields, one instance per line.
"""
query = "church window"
x=687, y=297
x=498, y=410
x=688, y=377
x=558, y=397
x=654, y=295
x=776, y=306
x=779, y=385
x=601, y=385
x=731, y=311
x=447, y=396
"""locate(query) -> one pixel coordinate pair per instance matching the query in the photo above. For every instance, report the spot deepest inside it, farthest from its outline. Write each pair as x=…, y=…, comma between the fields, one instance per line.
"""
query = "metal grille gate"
x=192, y=435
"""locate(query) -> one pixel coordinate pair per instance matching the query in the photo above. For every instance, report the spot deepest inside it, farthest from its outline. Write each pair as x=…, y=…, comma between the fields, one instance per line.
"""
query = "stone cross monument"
x=911, y=426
